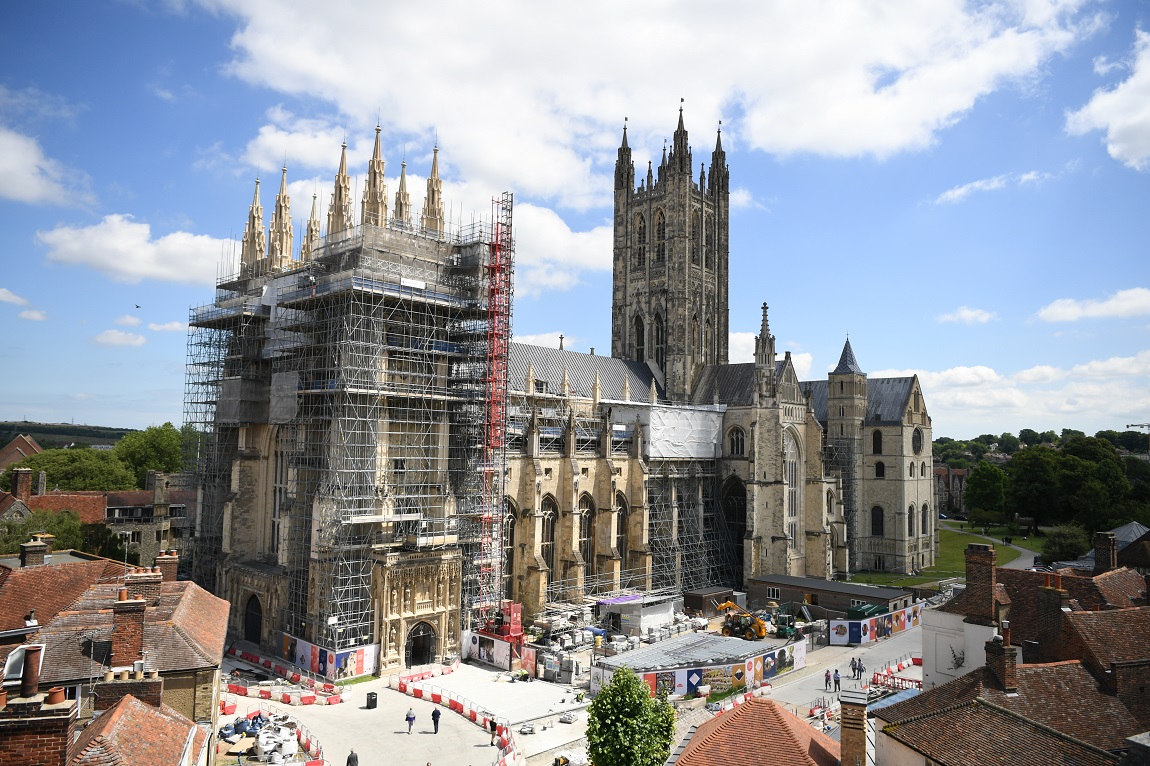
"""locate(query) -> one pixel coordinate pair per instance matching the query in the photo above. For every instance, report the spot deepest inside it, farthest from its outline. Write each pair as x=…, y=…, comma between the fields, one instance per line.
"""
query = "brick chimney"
x=168, y=563
x=47, y=538
x=853, y=735
x=144, y=583
x=127, y=629
x=34, y=731
x=32, y=553
x=22, y=484
x=1105, y=552
x=1002, y=659
x=981, y=583
x=112, y=689
x=1052, y=602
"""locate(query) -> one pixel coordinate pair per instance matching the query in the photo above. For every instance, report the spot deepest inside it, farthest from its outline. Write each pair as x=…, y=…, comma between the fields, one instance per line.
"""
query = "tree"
x=1032, y=485
x=1048, y=437
x=77, y=470
x=1029, y=437
x=986, y=489
x=1133, y=441
x=1008, y=443
x=1070, y=433
x=156, y=448
x=1065, y=543
x=626, y=726
x=65, y=525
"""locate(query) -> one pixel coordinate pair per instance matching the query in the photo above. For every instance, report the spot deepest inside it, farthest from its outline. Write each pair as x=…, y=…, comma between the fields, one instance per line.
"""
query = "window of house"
x=773, y=594
x=858, y=602
x=737, y=442
x=880, y=470
x=877, y=522
x=876, y=442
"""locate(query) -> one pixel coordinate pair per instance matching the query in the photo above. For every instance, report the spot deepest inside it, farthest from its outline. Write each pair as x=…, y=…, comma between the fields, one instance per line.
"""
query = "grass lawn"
x=951, y=561
x=1033, y=544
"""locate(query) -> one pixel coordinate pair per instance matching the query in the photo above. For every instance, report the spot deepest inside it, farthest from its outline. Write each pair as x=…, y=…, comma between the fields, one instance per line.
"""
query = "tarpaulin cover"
x=677, y=432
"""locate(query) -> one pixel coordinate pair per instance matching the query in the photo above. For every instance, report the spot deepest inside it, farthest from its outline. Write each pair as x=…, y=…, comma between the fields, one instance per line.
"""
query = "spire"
x=720, y=174
x=254, y=247
x=765, y=359
x=339, y=211
x=680, y=151
x=432, y=218
x=529, y=382
x=280, y=234
x=626, y=388
x=765, y=328
x=373, y=209
x=650, y=175
x=624, y=166
x=847, y=363
x=402, y=214
x=311, y=235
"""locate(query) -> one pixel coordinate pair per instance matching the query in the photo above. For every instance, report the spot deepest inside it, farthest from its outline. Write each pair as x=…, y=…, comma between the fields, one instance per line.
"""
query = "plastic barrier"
x=237, y=689
x=227, y=708
x=265, y=694
x=307, y=699
x=334, y=699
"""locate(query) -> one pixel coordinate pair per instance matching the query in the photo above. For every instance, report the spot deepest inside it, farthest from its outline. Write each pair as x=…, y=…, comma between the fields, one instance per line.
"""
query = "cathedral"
x=378, y=466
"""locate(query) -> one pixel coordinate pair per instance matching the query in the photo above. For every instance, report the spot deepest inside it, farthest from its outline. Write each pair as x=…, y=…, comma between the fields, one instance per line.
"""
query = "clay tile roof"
x=1116, y=635
x=762, y=727
x=979, y=732
x=47, y=589
x=1117, y=589
x=89, y=506
x=134, y=733
x=15, y=451
x=1136, y=554
x=1063, y=696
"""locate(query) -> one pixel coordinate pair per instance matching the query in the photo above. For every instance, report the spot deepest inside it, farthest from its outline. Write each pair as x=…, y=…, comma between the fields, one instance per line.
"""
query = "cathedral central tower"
x=670, y=272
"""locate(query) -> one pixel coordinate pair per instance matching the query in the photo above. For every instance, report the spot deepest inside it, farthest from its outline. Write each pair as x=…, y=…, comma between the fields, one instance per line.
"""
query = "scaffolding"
x=840, y=454
x=372, y=366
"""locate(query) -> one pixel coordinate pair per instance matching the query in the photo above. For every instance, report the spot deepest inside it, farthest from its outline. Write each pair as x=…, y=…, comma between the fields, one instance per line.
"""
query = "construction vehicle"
x=785, y=625
x=739, y=622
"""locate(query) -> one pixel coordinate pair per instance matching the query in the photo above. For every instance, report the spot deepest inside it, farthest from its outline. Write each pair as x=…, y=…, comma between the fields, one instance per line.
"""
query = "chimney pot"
x=30, y=677
x=122, y=595
x=109, y=676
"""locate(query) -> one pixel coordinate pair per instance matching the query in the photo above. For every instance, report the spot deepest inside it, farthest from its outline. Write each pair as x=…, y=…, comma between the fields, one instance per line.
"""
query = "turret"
x=311, y=235
x=720, y=173
x=624, y=165
x=402, y=215
x=680, y=149
x=280, y=245
x=373, y=210
x=339, y=211
x=254, y=246
x=432, y=218
x=765, y=359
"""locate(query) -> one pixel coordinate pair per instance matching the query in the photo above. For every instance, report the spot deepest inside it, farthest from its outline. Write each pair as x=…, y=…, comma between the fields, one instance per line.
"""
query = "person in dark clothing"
x=435, y=719
x=352, y=759
x=838, y=678
x=494, y=728
x=410, y=718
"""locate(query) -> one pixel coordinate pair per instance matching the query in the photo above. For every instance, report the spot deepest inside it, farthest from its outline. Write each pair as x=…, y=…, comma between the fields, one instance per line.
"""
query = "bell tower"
x=670, y=276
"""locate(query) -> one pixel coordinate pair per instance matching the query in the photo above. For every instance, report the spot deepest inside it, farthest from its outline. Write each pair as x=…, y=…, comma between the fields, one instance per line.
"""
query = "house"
x=759, y=731
x=15, y=451
x=831, y=595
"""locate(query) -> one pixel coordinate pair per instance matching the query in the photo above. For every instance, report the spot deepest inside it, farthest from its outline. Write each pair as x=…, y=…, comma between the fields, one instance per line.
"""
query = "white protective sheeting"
x=680, y=433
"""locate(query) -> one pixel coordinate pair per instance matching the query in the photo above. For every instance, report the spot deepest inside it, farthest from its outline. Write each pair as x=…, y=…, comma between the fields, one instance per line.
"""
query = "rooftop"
x=690, y=650
x=133, y=732
x=763, y=727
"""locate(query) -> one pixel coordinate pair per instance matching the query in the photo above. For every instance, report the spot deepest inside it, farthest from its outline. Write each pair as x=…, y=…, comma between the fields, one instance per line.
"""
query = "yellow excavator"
x=739, y=622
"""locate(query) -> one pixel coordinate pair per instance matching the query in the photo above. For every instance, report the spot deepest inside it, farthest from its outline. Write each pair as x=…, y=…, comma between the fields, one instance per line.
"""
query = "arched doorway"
x=253, y=620
x=734, y=509
x=421, y=644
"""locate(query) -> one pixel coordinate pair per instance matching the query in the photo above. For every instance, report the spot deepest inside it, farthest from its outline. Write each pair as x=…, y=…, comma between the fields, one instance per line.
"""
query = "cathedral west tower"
x=670, y=272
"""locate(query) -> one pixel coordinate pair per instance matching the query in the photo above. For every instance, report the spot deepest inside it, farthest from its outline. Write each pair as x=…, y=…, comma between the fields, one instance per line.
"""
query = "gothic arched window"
x=659, y=343
x=876, y=442
x=876, y=521
x=737, y=442
x=660, y=237
x=925, y=520
x=696, y=349
x=640, y=241
x=792, y=479
x=548, y=511
x=880, y=470
x=910, y=521
x=709, y=242
x=587, y=532
x=695, y=237
x=640, y=340
x=910, y=470
x=509, y=550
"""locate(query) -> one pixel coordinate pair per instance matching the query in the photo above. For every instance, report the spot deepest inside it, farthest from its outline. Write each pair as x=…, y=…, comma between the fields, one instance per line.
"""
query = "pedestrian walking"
x=494, y=728
x=827, y=680
x=861, y=670
x=854, y=667
x=352, y=759
x=435, y=719
x=838, y=678
x=410, y=718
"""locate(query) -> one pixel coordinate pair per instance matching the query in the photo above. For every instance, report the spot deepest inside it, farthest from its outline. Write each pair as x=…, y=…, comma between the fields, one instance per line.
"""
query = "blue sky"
x=964, y=188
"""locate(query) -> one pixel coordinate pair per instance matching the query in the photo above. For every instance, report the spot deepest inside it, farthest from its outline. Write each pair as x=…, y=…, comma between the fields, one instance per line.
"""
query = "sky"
x=963, y=189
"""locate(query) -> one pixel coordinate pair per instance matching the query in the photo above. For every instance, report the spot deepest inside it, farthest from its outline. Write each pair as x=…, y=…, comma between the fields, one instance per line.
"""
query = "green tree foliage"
x=1029, y=437
x=156, y=448
x=1032, y=485
x=1065, y=543
x=102, y=541
x=65, y=525
x=986, y=490
x=76, y=470
x=1008, y=443
x=1048, y=437
x=1068, y=434
x=626, y=726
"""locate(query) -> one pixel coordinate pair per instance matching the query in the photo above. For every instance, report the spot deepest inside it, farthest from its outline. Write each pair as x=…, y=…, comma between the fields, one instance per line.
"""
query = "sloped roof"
x=89, y=506
x=847, y=364
x=980, y=732
x=735, y=384
x=763, y=727
x=48, y=589
x=834, y=586
x=1136, y=554
x=548, y=364
x=885, y=402
x=133, y=733
x=185, y=630
x=15, y=451
x=1114, y=635
x=1118, y=589
x=1061, y=695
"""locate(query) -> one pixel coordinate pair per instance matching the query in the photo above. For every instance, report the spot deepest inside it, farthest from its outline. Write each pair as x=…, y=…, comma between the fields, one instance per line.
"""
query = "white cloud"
x=802, y=362
x=960, y=193
x=549, y=256
x=1124, y=303
x=168, y=326
x=1043, y=373
x=741, y=347
x=34, y=315
x=741, y=198
x=7, y=296
x=546, y=339
x=1114, y=367
x=125, y=251
x=127, y=320
x=967, y=315
x=30, y=176
x=1123, y=111
x=119, y=338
